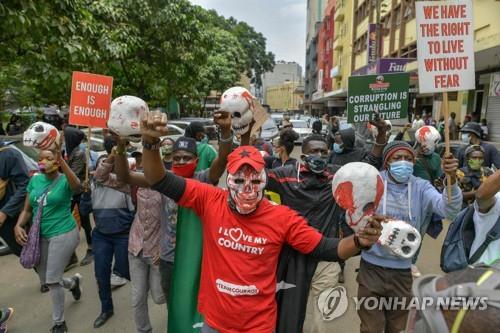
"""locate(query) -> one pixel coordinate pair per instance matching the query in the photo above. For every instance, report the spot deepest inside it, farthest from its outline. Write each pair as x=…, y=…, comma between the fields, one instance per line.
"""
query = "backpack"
x=455, y=252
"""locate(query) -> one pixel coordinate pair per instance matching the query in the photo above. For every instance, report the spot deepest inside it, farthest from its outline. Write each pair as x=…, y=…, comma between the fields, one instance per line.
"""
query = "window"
x=409, y=13
x=397, y=12
x=409, y=51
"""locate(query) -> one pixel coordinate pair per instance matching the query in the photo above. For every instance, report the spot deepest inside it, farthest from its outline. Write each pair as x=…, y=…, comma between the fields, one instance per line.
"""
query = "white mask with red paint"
x=125, y=115
x=238, y=101
x=246, y=188
x=41, y=135
x=428, y=137
x=358, y=188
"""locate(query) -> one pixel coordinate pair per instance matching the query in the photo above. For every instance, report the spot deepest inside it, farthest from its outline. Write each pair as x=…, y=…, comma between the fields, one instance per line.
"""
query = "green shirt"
x=428, y=167
x=206, y=155
x=57, y=218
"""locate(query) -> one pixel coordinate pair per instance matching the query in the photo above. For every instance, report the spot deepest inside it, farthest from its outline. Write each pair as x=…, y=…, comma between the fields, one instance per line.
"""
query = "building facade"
x=282, y=72
x=286, y=96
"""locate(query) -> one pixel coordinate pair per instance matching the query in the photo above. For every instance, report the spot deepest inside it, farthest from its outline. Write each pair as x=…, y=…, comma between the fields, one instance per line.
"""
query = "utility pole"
x=378, y=34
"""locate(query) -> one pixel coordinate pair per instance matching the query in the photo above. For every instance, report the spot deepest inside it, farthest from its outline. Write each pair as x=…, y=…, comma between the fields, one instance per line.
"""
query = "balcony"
x=339, y=12
x=337, y=45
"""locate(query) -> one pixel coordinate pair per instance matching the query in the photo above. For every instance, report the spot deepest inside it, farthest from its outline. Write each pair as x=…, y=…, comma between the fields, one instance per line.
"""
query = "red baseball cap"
x=245, y=155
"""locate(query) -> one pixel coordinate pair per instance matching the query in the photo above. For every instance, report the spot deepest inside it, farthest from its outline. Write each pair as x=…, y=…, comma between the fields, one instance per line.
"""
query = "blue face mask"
x=205, y=139
x=337, y=148
x=401, y=171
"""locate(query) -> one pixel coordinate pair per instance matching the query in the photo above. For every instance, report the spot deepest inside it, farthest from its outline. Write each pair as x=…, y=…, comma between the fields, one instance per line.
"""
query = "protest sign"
x=260, y=116
x=445, y=46
x=90, y=99
x=385, y=94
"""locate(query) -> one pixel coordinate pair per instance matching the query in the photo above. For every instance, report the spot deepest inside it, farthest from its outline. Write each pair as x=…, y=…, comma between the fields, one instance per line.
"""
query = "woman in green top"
x=58, y=232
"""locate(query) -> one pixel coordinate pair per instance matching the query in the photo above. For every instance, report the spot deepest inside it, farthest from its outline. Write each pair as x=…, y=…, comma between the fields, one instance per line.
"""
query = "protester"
x=452, y=126
x=410, y=199
x=182, y=287
x=471, y=134
x=486, y=216
x=243, y=265
x=167, y=146
x=333, y=127
x=317, y=126
x=306, y=188
x=417, y=122
x=476, y=284
x=5, y=315
x=14, y=179
x=484, y=128
x=427, y=166
x=402, y=132
x=113, y=212
x=58, y=232
x=206, y=153
x=77, y=161
x=473, y=174
x=15, y=125
x=283, y=149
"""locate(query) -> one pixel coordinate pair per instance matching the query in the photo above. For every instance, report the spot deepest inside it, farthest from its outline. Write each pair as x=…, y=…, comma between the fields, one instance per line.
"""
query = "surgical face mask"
x=338, y=148
x=205, y=139
x=466, y=138
x=315, y=163
x=46, y=166
x=246, y=189
x=401, y=171
x=475, y=164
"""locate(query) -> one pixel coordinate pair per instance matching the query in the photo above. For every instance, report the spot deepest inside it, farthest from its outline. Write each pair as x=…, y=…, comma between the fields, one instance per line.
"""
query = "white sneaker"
x=415, y=272
x=117, y=281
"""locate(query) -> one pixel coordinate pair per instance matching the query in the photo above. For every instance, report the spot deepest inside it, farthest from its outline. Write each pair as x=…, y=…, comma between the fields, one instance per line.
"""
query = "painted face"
x=246, y=188
x=358, y=187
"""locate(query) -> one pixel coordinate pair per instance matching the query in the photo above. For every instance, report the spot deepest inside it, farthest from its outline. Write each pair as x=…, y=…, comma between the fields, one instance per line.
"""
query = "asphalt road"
x=19, y=288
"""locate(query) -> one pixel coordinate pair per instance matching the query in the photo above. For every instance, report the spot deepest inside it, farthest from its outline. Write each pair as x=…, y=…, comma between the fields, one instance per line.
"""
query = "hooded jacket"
x=350, y=152
x=76, y=157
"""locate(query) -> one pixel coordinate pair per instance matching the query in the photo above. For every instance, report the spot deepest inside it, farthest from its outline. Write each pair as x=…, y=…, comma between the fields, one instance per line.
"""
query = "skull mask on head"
x=125, y=116
x=42, y=136
x=428, y=137
x=401, y=238
x=358, y=187
x=239, y=102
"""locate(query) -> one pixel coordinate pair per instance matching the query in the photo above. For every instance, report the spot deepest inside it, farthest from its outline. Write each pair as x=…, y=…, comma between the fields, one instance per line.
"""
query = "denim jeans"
x=105, y=246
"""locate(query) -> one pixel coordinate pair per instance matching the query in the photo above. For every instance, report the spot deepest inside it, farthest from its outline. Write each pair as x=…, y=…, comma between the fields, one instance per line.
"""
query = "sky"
x=282, y=22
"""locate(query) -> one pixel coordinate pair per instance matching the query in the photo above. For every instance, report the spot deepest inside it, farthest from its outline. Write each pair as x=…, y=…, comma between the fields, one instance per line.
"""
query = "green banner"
x=386, y=94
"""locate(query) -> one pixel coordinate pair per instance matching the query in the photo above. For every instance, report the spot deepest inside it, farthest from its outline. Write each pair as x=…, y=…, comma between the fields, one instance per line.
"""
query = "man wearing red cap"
x=243, y=234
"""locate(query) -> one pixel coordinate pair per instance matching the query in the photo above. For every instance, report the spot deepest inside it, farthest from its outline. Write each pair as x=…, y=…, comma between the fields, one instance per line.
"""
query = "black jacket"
x=351, y=153
x=13, y=169
x=76, y=157
x=311, y=196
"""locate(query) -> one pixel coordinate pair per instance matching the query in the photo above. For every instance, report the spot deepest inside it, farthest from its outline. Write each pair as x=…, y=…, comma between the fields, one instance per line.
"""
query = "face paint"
x=246, y=188
x=46, y=166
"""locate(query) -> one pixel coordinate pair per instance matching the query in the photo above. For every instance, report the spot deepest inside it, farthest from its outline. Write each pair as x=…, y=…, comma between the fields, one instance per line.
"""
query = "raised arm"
x=104, y=176
x=381, y=139
x=223, y=119
x=153, y=126
x=123, y=172
x=73, y=181
x=485, y=194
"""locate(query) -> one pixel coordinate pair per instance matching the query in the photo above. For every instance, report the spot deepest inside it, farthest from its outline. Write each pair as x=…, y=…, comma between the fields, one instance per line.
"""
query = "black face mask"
x=315, y=163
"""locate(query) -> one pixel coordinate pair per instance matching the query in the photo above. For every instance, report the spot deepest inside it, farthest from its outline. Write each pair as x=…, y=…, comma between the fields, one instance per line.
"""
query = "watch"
x=151, y=146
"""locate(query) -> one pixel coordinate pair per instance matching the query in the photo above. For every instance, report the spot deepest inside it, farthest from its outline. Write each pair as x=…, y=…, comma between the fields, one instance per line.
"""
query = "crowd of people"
x=253, y=249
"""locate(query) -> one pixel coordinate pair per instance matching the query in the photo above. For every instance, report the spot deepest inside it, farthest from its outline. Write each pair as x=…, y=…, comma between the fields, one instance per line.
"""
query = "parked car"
x=269, y=130
x=278, y=118
x=300, y=126
x=210, y=127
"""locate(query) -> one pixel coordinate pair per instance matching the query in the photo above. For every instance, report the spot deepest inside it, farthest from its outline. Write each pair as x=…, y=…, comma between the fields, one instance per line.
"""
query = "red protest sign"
x=445, y=39
x=90, y=99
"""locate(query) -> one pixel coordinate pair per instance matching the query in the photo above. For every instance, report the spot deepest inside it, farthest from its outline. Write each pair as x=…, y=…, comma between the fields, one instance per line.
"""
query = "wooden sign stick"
x=447, y=139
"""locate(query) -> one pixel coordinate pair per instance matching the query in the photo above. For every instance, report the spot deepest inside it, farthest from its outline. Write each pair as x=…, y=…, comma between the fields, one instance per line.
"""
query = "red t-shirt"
x=240, y=256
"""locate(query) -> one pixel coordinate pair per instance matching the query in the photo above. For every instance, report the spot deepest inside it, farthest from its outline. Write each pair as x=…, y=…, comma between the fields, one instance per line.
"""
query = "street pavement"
x=19, y=288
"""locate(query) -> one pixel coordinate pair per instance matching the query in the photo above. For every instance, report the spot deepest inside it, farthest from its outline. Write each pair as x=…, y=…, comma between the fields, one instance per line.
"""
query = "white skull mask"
x=428, y=137
x=239, y=102
x=358, y=187
x=42, y=136
x=125, y=116
x=401, y=238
